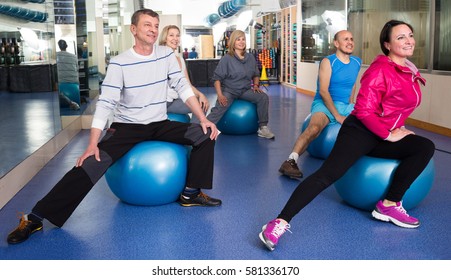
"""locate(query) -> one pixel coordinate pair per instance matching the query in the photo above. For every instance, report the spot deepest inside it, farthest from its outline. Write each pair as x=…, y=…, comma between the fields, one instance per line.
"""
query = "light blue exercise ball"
x=321, y=146
x=367, y=182
x=184, y=118
x=151, y=173
x=241, y=118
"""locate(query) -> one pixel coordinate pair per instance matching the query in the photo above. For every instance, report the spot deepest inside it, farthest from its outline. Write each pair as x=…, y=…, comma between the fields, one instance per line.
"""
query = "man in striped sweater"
x=134, y=90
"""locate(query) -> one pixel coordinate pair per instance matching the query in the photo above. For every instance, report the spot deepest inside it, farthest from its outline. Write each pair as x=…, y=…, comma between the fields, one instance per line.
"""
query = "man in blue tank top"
x=334, y=98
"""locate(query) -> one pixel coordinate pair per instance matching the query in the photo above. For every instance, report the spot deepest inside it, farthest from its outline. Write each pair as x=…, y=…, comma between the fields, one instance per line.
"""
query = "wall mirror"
x=31, y=109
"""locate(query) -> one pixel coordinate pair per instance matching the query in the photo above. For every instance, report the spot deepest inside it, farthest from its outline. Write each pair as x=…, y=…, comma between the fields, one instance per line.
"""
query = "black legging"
x=354, y=141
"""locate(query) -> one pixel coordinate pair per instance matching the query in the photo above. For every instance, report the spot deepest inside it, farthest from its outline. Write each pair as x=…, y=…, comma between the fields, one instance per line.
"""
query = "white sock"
x=294, y=156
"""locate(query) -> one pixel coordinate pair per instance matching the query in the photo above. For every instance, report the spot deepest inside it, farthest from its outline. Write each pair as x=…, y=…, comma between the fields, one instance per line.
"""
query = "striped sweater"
x=135, y=87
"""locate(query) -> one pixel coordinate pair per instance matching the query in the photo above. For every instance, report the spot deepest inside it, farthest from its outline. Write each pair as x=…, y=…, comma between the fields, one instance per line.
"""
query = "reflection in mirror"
x=70, y=82
x=29, y=89
x=28, y=103
x=114, y=27
x=77, y=93
x=320, y=24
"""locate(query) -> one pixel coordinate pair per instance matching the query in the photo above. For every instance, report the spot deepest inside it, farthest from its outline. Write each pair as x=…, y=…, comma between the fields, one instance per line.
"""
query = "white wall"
x=435, y=107
x=307, y=74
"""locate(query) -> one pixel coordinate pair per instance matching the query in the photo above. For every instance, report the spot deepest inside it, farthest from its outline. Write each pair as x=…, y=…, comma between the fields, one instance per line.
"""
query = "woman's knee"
x=258, y=98
x=323, y=179
x=422, y=146
x=428, y=147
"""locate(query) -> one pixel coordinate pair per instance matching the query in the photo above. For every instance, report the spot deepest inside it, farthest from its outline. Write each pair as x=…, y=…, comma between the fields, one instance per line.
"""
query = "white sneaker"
x=265, y=132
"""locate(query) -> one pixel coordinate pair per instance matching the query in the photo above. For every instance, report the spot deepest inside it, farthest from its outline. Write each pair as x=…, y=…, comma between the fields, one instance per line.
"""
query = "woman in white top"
x=170, y=36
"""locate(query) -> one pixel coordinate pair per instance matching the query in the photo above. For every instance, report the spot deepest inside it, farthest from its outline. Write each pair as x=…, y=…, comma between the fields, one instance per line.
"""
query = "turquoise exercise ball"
x=321, y=146
x=212, y=19
x=241, y=118
x=367, y=182
x=151, y=173
x=71, y=91
x=184, y=118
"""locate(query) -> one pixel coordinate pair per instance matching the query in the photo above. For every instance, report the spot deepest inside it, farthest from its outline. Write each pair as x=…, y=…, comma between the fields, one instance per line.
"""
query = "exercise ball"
x=71, y=91
x=367, y=181
x=241, y=118
x=322, y=145
x=184, y=118
x=212, y=19
x=151, y=173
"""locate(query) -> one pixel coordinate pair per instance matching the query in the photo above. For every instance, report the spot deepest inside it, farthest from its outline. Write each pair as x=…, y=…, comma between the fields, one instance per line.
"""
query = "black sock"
x=34, y=218
x=190, y=192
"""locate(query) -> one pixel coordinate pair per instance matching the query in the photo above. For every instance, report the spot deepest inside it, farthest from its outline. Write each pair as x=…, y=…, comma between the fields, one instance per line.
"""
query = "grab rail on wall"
x=23, y=13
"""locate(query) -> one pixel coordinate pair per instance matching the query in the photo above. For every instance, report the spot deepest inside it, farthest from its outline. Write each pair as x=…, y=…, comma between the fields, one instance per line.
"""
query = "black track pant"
x=354, y=140
x=66, y=195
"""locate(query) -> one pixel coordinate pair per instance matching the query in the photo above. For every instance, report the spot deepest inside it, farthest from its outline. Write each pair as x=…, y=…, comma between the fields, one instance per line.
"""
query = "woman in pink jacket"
x=390, y=91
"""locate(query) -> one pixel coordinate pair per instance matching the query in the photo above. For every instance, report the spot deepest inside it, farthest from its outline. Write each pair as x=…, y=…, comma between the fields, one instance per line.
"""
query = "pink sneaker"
x=395, y=214
x=271, y=233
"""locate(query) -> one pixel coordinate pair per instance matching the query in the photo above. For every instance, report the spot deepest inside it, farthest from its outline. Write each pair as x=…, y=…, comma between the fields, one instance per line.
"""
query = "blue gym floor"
x=252, y=191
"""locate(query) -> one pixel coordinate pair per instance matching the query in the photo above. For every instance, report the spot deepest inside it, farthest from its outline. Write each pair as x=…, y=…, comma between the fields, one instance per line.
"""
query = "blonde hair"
x=164, y=34
x=233, y=37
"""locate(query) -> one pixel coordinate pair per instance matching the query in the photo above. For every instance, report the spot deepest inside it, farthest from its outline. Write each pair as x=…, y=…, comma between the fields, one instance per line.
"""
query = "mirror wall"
x=30, y=108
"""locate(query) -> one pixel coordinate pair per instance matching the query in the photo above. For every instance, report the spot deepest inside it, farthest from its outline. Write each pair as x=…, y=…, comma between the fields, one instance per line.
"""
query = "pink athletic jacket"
x=388, y=95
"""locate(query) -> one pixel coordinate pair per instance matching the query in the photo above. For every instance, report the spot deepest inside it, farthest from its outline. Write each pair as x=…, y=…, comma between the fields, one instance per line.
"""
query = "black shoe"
x=24, y=230
x=200, y=200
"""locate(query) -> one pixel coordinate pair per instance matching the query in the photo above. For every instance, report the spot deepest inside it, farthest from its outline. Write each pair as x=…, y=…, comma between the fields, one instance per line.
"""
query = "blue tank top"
x=342, y=79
